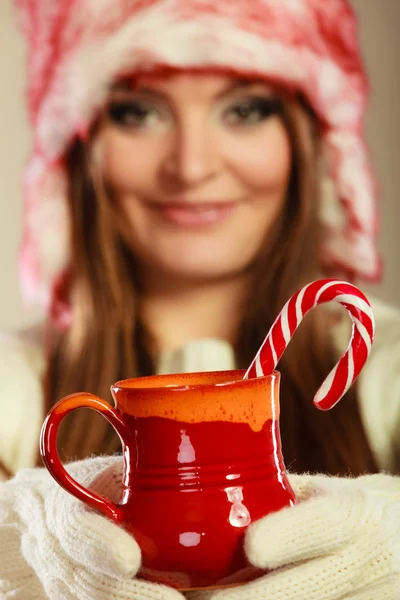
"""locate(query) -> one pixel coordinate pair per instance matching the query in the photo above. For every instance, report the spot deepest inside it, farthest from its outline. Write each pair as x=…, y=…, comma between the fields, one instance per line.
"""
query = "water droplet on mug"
x=186, y=452
x=189, y=539
x=239, y=515
x=233, y=476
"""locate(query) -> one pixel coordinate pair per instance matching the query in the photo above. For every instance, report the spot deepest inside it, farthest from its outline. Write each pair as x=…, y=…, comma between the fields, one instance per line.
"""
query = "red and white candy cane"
x=349, y=366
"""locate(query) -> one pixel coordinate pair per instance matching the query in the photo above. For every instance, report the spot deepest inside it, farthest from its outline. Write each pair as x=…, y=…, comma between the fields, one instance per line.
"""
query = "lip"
x=194, y=214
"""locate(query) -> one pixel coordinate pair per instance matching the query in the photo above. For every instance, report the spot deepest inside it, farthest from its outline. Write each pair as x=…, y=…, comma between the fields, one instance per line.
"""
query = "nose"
x=193, y=156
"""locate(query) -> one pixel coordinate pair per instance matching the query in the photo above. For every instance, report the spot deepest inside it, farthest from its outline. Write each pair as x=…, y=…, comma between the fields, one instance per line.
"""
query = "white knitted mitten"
x=53, y=546
x=342, y=541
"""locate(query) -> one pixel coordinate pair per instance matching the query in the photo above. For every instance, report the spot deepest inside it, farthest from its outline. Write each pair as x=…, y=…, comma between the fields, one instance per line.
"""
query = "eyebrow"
x=236, y=85
x=240, y=84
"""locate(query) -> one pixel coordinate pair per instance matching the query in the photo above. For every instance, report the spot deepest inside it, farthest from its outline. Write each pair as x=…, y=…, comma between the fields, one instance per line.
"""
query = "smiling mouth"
x=196, y=214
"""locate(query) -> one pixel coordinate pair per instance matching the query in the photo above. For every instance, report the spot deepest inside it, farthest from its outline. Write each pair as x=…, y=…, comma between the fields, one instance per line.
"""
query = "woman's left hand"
x=342, y=541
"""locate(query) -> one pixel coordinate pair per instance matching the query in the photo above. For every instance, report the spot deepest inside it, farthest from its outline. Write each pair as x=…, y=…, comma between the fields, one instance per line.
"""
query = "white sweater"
x=22, y=365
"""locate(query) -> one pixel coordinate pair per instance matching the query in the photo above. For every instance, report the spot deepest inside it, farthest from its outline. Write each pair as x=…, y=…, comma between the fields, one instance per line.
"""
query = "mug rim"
x=133, y=383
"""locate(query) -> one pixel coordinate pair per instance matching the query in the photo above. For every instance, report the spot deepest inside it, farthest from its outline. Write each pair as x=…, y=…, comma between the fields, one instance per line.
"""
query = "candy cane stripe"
x=350, y=375
x=364, y=333
x=299, y=301
x=259, y=371
x=285, y=323
x=356, y=301
x=323, y=289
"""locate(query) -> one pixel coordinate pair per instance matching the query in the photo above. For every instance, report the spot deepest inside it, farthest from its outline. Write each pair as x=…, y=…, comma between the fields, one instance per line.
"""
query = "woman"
x=182, y=156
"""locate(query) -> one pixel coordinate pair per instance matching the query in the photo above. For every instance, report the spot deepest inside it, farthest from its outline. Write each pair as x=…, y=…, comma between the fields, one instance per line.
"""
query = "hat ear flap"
x=45, y=249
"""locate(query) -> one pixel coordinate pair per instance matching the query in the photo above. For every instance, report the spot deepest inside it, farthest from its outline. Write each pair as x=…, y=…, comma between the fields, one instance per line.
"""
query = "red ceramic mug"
x=202, y=460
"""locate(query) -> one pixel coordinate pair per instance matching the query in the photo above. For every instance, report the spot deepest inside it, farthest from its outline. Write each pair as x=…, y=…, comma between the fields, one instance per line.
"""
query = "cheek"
x=129, y=166
x=263, y=162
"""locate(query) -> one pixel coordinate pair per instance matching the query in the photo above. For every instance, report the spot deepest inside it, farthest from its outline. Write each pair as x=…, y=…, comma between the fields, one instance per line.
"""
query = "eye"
x=251, y=111
x=132, y=113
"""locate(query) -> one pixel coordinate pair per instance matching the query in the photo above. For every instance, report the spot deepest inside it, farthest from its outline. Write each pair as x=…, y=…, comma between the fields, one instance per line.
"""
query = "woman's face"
x=200, y=166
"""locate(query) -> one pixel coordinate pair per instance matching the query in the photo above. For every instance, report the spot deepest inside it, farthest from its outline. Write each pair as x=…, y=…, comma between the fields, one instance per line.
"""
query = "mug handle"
x=51, y=459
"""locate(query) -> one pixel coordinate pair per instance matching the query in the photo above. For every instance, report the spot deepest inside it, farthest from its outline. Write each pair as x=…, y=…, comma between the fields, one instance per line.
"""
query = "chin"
x=191, y=261
x=201, y=270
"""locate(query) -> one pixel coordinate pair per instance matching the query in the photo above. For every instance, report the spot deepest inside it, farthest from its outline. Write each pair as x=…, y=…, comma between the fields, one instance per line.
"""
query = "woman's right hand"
x=53, y=546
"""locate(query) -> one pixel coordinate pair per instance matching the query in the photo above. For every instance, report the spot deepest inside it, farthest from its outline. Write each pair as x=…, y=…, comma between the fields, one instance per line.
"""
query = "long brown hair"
x=108, y=342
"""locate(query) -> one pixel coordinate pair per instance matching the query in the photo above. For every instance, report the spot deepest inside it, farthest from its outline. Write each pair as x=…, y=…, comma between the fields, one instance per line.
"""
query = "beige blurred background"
x=379, y=21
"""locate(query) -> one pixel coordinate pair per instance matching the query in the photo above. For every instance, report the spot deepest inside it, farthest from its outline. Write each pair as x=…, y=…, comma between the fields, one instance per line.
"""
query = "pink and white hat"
x=78, y=47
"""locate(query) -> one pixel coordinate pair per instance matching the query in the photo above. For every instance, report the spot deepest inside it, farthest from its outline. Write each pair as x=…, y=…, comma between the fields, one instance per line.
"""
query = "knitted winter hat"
x=78, y=47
